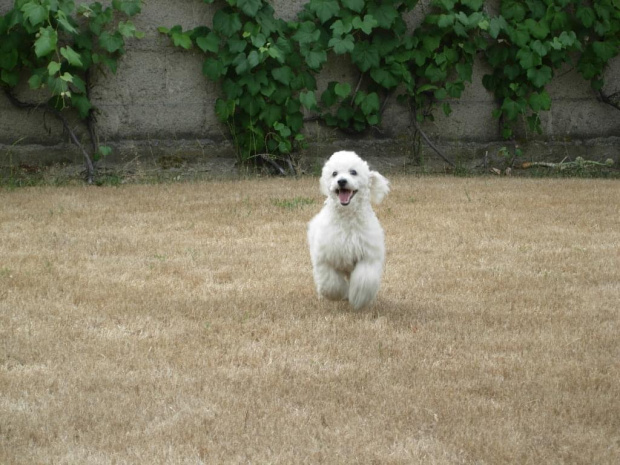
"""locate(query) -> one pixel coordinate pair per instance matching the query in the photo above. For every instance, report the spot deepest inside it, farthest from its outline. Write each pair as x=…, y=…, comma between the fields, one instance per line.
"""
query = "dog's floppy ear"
x=379, y=187
x=324, y=185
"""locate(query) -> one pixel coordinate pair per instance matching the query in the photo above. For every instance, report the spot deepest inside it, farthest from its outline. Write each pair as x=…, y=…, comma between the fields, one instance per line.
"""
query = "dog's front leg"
x=364, y=283
x=330, y=283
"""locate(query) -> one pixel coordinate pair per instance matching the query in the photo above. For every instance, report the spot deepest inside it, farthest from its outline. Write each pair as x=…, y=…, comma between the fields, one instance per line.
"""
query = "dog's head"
x=347, y=179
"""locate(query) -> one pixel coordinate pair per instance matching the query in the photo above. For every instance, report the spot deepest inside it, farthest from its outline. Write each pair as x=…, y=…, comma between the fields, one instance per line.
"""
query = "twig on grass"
x=578, y=163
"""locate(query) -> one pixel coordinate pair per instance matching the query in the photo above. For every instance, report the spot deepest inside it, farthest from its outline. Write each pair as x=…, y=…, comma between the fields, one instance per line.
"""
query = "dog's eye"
x=335, y=173
x=353, y=173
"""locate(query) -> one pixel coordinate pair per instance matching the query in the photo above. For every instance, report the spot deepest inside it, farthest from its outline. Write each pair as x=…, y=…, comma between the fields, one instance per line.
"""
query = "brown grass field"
x=179, y=324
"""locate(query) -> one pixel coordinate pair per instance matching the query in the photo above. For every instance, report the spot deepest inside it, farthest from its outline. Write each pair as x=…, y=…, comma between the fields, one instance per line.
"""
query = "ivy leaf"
x=127, y=29
x=249, y=7
x=307, y=33
x=258, y=40
x=79, y=84
x=57, y=86
x=253, y=59
x=342, y=45
x=496, y=25
x=512, y=109
x=35, y=81
x=604, y=50
x=560, y=21
x=384, y=78
x=129, y=7
x=226, y=24
x=8, y=58
x=384, y=14
x=539, y=47
x=365, y=56
x=342, y=90
x=81, y=103
x=271, y=114
x=441, y=94
x=446, y=4
x=208, y=43
x=538, y=29
x=512, y=71
x=586, y=15
x=315, y=57
x=434, y=73
x=341, y=28
x=567, y=39
x=464, y=71
x=540, y=76
x=528, y=59
x=104, y=150
x=324, y=9
x=308, y=100
x=110, y=62
x=213, y=68
x=519, y=37
x=236, y=45
x=62, y=19
x=241, y=64
x=513, y=11
x=355, y=5
x=283, y=75
x=46, y=43
x=9, y=77
x=276, y=53
x=475, y=5
x=224, y=109
x=34, y=13
x=295, y=121
x=329, y=97
x=72, y=56
x=251, y=83
x=445, y=21
x=431, y=43
x=386, y=43
x=114, y=42
x=366, y=25
x=540, y=101
x=53, y=67
x=370, y=104
x=67, y=77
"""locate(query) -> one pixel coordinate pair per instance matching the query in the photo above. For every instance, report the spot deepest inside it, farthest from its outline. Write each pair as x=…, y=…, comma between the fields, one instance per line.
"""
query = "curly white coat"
x=346, y=240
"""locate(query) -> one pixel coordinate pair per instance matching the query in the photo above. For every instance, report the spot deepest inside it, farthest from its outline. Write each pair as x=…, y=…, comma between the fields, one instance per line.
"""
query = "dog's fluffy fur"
x=346, y=240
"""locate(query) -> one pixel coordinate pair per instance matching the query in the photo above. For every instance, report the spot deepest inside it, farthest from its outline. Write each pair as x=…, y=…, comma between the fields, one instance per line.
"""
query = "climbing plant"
x=532, y=39
x=55, y=45
x=264, y=78
x=267, y=67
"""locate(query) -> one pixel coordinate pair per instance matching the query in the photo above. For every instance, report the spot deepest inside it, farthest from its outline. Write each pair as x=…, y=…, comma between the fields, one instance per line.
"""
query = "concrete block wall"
x=159, y=104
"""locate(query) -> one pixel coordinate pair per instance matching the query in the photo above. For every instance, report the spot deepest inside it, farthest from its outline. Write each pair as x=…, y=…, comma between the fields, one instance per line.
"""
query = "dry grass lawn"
x=178, y=324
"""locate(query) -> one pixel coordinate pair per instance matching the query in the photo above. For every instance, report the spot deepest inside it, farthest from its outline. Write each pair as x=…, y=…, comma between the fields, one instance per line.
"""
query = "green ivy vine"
x=264, y=77
x=268, y=67
x=532, y=39
x=55, y=46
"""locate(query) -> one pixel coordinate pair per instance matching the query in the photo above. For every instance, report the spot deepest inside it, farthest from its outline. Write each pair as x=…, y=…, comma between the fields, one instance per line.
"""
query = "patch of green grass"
x=294, y=203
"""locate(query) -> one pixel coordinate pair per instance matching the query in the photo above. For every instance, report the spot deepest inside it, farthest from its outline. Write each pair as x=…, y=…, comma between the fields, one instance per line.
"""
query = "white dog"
x=345, y=238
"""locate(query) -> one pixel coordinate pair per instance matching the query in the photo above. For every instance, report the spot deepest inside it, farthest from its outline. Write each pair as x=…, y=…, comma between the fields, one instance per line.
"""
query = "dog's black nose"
x=342, y=182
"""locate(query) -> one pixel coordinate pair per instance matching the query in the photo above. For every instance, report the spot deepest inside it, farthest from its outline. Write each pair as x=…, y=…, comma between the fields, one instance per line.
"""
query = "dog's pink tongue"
x=345, y=195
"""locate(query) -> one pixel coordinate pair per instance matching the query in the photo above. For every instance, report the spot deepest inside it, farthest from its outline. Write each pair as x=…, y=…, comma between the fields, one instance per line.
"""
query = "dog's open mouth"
x=345, y=196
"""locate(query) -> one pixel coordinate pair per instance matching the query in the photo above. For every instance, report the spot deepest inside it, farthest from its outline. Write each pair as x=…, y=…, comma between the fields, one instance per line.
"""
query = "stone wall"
x=160, y=105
